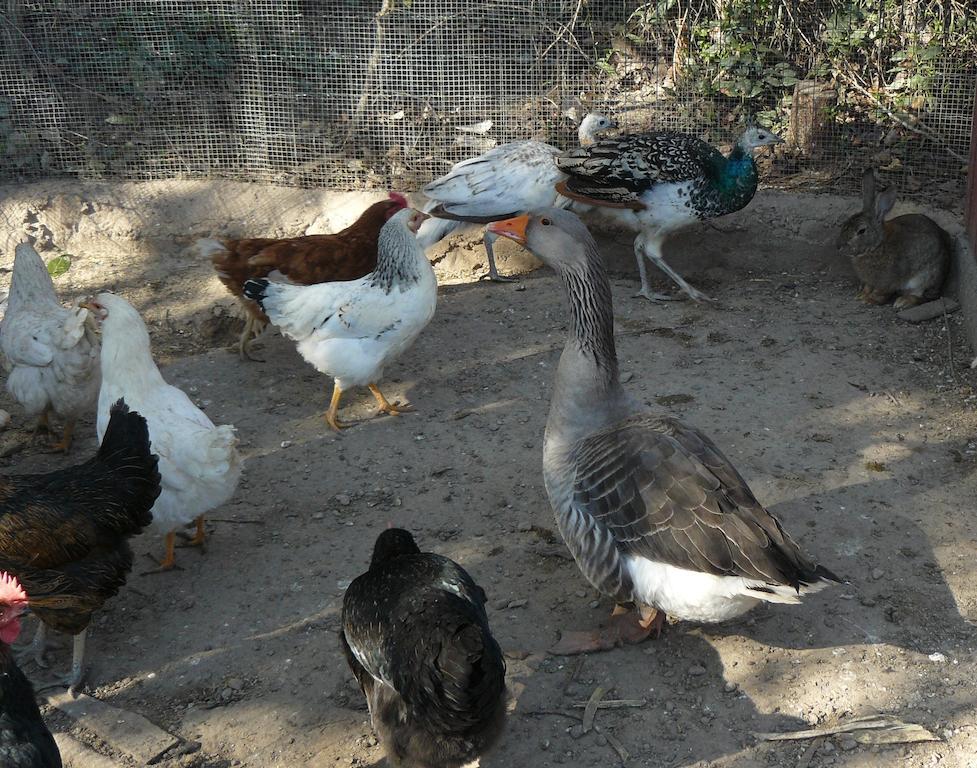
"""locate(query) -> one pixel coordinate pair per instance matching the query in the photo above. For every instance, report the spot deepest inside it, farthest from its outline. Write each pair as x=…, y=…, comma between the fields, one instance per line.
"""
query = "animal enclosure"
x=347, y=94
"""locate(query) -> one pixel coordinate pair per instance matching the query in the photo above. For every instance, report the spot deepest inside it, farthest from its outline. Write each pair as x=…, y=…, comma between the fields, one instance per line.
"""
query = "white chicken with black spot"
x=352, y=329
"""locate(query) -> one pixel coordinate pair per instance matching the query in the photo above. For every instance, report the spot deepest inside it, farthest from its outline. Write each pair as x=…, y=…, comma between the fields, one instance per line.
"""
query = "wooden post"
x=809, y=116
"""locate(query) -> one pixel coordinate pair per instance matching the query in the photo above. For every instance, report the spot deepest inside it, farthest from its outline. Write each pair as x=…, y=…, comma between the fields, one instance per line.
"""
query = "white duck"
x=351, y=329
x=518, y=177
x=199, y=464
x=653, y=512
x=51, y=352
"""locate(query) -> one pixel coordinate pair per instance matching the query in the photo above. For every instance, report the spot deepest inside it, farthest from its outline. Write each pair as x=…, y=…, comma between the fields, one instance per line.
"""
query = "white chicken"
x=198, y=462
x=351, y=329
x=51, y=352
x=519, y=177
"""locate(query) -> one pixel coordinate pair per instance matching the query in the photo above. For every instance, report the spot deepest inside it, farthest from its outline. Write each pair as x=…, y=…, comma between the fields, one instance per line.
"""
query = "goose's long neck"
x=587, y=395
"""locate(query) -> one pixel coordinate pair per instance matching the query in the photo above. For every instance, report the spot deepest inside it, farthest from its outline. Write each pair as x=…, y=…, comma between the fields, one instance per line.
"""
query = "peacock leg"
x=652, y=250
x=646, y=292
x=493, y=273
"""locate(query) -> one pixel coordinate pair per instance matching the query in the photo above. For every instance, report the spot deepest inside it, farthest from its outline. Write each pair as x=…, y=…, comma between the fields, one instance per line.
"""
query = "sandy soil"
x=858, y=430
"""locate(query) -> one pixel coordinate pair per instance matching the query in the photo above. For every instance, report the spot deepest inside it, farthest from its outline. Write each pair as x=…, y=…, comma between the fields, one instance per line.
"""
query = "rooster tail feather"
x=126, y=455
x=255, y=290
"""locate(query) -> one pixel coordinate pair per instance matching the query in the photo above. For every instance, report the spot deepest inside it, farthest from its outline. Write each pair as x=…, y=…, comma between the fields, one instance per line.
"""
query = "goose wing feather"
x=665, y=492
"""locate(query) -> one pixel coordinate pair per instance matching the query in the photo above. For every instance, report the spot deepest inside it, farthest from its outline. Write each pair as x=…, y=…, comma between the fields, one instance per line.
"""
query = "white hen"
x=51, y=352
x=198, y=462
x=352, y=329
x=519, y=177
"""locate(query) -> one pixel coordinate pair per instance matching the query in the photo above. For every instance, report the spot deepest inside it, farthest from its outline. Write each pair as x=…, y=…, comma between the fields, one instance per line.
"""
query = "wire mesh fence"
x=347, y=94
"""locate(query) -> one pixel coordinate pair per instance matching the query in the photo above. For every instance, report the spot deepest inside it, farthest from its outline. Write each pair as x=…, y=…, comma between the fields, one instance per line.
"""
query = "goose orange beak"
x=514, y=228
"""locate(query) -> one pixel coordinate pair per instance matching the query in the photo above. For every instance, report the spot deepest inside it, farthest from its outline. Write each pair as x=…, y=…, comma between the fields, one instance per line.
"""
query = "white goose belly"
x=689, y=595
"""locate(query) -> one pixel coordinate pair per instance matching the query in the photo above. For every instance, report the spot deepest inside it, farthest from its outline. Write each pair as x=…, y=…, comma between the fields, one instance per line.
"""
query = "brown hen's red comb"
x=399, y=199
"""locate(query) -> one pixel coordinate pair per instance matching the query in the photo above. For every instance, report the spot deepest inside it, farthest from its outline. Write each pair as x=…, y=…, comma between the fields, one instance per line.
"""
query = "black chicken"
x=25, y=741
x=417, y=639
x=65, y=534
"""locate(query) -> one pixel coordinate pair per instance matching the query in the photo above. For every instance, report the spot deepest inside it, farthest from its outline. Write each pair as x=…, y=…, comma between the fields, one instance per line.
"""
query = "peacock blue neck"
x=735, y=179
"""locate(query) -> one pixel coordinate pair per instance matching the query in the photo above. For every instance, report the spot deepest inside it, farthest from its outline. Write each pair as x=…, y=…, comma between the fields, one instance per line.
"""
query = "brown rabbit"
x=908, y=255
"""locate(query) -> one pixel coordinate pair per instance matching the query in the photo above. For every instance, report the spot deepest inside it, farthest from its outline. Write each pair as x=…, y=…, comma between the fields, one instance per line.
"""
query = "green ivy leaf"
x=59, y=265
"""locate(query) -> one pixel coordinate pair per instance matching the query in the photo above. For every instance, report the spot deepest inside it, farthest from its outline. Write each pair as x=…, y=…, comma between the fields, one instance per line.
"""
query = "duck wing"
x=500, y=183
x=617, y=171
x=662, y=490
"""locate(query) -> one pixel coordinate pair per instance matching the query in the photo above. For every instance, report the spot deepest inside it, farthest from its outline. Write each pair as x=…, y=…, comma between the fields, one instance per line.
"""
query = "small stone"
x=601, y=739
x=877, y=574
x=576, y=731
x=286, y=443
x=847, y=743
x=867, y=601
x=545, y=745
x=235, y=683
x=696, y=670
x=517, y=603
x=342, y=499
x=524, y=526
x=226, y=694
x=730, y=687
x=318, y=515
x=827, y=748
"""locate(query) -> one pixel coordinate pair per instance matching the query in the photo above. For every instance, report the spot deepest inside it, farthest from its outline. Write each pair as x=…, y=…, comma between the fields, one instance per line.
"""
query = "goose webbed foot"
x=623, y=628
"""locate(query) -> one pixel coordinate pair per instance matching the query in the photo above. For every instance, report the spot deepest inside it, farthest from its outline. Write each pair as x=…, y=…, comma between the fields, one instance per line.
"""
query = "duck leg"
x=330, y=415
x=648, y=245
x=623, y=628
x=493, y=272
x=385, y=405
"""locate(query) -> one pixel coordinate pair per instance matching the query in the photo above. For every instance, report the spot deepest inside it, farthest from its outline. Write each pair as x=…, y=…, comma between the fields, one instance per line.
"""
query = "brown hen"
x=345, y=255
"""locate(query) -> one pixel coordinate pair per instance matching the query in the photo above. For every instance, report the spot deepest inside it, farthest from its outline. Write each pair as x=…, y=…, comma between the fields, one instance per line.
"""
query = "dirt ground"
x=858, y=430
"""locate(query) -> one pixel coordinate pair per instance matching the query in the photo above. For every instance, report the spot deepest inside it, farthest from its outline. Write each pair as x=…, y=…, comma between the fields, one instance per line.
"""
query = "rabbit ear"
x=884, y=203
x=868, y=190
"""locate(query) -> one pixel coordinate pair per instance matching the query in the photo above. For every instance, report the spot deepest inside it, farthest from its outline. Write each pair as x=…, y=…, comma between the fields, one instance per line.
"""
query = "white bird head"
x=757, y=136
x=593, y=125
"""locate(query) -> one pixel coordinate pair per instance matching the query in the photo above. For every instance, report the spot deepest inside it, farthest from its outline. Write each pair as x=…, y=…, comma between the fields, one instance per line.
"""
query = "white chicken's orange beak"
x=98, y=311
x=514, y=228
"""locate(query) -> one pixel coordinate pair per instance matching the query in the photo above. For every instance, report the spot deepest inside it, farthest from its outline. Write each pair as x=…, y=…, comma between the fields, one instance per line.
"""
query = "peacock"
x=658, y=182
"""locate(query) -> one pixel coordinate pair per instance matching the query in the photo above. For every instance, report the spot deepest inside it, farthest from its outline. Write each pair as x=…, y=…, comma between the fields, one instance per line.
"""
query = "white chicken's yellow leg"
x=330, y=416
x=65, y=442
x=169, y=560
x=386, y=406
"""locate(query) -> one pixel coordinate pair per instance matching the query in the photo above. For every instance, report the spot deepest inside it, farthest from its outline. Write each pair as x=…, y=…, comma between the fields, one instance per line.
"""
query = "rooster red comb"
x=11, y=592
x=399, y=199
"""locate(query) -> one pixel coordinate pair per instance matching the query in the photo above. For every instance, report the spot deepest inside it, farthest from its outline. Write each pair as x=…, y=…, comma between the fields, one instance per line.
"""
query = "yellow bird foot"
x=385, y=406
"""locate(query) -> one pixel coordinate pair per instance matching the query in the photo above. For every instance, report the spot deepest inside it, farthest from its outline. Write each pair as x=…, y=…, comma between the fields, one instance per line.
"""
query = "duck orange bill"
x=514, y=228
